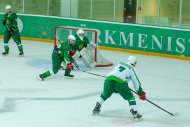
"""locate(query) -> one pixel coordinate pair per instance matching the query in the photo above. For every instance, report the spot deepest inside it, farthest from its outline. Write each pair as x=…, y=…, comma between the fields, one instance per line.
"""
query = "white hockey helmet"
x=71, y=39
x=7, y=7
x=80, y=32
x=132, y=60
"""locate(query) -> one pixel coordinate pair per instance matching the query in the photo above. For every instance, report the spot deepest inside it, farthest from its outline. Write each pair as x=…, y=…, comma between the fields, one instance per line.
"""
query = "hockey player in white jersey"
x=117, y=82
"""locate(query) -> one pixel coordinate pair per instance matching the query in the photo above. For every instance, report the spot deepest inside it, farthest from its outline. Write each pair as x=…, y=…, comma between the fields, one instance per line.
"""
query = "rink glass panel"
x=169, y=13
x=103, y=10
x=36, y=7
x=119, y=4
x=16, y=4
x=147, y=12
x=54, y=7
x=84, y=9
x=185, y=20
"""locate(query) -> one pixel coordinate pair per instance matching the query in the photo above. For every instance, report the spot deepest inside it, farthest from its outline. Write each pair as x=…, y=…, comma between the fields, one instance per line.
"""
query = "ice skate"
x=97, y=109
x=41, y=77
x=5, y=53
x=69, y=75
x=21, y=54
x=136, y=115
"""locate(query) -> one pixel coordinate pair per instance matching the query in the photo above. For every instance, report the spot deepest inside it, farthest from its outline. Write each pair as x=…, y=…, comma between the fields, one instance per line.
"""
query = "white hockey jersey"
x=125, y=72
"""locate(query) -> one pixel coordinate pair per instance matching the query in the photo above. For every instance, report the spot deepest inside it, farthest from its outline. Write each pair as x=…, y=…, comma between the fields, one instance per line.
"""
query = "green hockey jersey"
x=11, y=20
x=81, y=43
x=64, y=51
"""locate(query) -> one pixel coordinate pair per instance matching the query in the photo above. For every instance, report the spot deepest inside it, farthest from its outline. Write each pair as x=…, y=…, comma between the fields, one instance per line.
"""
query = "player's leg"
x=67, y=70
x=68, y=73
x=6, y=39
x=87, y=58
x=125, y=92
x=64, y=65
x=17, y=40
x=107, y=92
x=56, y=64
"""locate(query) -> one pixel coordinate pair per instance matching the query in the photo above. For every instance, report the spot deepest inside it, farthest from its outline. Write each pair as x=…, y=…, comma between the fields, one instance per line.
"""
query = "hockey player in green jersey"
x=11, y=30
x=117, y=82
x=60, y=54
x=81, y=46
x=81, y=40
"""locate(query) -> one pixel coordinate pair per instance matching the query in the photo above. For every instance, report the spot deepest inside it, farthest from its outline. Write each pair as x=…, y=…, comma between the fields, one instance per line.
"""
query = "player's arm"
x=14, y=25
x=137, y=84
x=3, y=20
x=56, y=50
x=86, y=41
x=91, y=43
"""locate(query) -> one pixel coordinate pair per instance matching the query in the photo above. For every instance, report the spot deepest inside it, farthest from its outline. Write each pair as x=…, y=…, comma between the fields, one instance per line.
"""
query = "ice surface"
x=60, y=102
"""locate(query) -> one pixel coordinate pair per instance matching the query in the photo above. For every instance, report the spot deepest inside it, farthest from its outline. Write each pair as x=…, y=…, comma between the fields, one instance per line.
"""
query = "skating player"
x=117, y=82
x=63, y=53
x=11, y=30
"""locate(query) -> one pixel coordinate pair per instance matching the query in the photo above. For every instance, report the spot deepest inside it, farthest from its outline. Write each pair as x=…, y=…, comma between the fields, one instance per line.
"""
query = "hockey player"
x=11, y=30
x=117, y=82
x=60, y=54
x=81, y=40
x=81, y=46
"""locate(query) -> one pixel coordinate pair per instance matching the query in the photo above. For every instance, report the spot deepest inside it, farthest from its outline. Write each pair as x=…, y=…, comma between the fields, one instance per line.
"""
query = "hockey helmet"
x=80, y=32
x=7, y=7
x=71, y=39
x=132, y=60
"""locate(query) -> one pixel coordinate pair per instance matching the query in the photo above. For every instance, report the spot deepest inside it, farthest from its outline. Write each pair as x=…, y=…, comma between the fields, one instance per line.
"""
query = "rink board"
x=136, y=37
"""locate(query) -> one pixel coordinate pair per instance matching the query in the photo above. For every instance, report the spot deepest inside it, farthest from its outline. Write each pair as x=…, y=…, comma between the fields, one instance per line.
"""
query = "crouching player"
x=117, y=82
x=81, y=46
x=60, y=54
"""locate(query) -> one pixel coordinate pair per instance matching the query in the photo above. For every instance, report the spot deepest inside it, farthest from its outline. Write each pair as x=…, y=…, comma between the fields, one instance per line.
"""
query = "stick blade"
x=175, y=114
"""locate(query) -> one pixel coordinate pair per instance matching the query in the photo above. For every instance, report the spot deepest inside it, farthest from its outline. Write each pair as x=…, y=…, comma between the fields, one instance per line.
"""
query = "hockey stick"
x=79, y=69
x=11, y=34
x=172, y=114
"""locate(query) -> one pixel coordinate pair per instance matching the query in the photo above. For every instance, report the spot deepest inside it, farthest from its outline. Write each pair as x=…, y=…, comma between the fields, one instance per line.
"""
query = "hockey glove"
x=11, y=30
x=85, y=46
x=70, y=66
x=56, y=50
x=93, y=44
x=72, y=53
x=143, y=96
x=3, y=22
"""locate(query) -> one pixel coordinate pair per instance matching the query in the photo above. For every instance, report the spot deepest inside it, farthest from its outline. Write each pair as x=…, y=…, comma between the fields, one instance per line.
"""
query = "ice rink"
x=60, y=102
